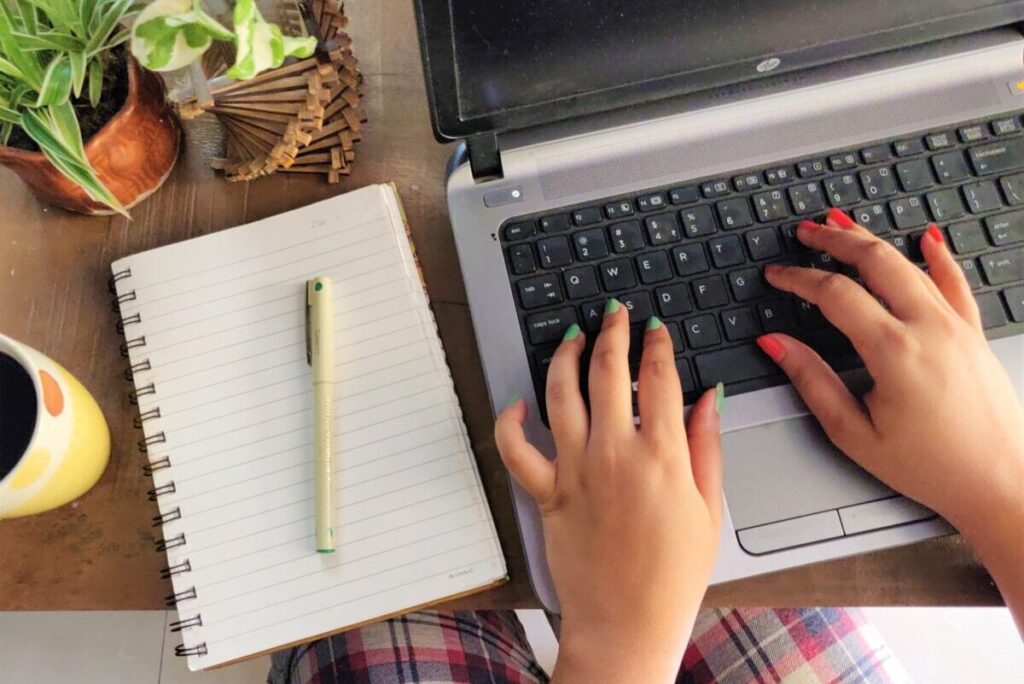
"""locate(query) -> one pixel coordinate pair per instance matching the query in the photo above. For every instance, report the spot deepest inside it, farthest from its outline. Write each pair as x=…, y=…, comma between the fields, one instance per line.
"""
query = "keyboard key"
x=777, y=315
x=874, y=217
x=908, y=148
x=690, y=259
x=540, y=291
x=1006, y=229
x=939, y=141
x=617, y=275
x=687, y=195
x=982, y=197
x=520, y=231
x=726, y=251
x=876, y=154
x=651, y=202
x=809, y=315
x=908, y=213
x=1001, y=157
x=739, y=324
x=738, y=364
x=971, y=272
x=746, y=284
x=745, y=183
x=820, y=261
x=790, y=240
x=914, y=175
x=993, y=315
x=967, y=237
x=762, y=243
x=592, y=315
x=685, y=376
x=1015, y=301
x=673, y=300
x=542, y=359
x=878, y=183
x=779, y=175
x=946, y=205
x=698, y=221
x=662, y=229
x=554, y=224
x=1004, y=267
x=587, y=216
x=973, y=134
x=521, y=258
x=677, y=338
x=590, y=244
x=901, y=244
x=626, y=237
x=842, y=190
x=620, y=209
x=710, y=292
x=735, y=213
x=950, y=167
x=1006, y=126
x=1013, y=189
x=771, y=206
x=812, y=168
x=806, y=198
x=843, y=162
x=581, y=283
x=554, y=252
x=639, y=306
x=701, y=332
x=547, y=327
x=654, y=267
x=716, y=189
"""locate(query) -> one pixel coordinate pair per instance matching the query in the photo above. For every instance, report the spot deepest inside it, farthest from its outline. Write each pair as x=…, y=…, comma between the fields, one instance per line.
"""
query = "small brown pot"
x=132, y=154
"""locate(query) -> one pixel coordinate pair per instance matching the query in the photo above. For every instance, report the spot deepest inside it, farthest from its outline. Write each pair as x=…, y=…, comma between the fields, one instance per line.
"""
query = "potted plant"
x=83, y=121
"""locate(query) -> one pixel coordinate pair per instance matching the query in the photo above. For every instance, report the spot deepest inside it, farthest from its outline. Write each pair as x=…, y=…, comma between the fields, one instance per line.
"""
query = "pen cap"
x=320, y=303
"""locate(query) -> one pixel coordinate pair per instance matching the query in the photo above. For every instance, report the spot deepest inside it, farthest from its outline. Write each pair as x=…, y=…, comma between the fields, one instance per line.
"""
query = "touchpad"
x=789, y=469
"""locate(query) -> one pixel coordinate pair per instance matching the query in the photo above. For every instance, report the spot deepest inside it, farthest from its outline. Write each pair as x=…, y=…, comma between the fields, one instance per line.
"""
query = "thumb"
x=704, y=438
x=532, y=470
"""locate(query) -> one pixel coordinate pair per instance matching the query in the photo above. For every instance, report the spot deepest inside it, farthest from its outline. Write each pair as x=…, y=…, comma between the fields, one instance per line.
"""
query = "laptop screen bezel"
x=437, y=44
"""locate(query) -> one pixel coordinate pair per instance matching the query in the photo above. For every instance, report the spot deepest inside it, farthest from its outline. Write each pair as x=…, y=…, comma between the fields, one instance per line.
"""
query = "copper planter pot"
x=132, y=154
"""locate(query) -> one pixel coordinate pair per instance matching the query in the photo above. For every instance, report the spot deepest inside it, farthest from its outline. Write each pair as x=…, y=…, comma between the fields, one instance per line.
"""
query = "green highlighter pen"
x=320, y=356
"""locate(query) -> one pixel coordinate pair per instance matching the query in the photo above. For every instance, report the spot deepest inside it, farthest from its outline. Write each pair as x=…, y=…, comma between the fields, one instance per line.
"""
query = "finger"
x=611, y=391
x=847, y=305
x=948, y=277
x=843, y=418
x=567, y=413
x=884, y=270
x=660, y=394
x=535, y=472
x=704, y=435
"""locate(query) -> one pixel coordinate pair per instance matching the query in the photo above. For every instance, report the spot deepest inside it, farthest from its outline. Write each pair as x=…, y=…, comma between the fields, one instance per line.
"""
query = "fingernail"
x=840, y=218
x=611, y=306
x=935, y=234
x=653, y=323
x=719, y=398
x=808, y=225
x=514, y=399
x=572, y=332
x=772, y=347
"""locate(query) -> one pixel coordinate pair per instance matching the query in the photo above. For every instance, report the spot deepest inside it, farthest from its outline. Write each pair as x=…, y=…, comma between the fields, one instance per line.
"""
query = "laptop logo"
x=770, y=64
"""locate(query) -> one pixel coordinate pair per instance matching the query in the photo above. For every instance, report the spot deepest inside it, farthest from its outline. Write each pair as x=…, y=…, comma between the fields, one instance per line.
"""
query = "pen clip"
x=309, y=329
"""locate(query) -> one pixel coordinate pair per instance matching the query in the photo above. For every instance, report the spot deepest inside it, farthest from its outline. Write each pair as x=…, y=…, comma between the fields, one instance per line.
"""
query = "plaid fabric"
x=794, y=646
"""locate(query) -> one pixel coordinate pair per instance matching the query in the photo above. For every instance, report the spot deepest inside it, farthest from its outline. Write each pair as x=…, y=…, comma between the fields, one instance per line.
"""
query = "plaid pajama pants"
x=797, y=646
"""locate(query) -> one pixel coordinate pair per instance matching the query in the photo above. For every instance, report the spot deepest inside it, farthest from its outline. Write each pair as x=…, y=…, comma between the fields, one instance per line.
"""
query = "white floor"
x=935, y=645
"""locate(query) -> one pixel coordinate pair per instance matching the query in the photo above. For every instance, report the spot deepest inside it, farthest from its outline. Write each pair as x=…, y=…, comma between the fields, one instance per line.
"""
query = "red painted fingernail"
x=772, y=347
x=935, y=234
x=840, y=218
x=808, y=225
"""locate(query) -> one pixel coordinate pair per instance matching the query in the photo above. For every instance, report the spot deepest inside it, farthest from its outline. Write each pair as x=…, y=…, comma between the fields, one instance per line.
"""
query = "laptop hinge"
x=484, y=157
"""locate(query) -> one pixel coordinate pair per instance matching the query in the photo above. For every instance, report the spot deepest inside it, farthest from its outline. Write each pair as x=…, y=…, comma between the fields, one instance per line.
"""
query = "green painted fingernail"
x=611, y=306
x=512, y=400
x=653, y=323
x=719, y=397
x=572, y=332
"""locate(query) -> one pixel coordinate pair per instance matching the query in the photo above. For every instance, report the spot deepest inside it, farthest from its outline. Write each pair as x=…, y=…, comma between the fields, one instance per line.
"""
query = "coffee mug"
x=54, y=442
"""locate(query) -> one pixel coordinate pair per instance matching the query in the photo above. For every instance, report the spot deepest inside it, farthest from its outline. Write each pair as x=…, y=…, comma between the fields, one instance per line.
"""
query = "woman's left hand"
x=631, y=514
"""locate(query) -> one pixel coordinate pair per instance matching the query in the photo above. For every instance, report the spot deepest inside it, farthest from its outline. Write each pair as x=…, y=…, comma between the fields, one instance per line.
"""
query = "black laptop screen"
x=516, y=55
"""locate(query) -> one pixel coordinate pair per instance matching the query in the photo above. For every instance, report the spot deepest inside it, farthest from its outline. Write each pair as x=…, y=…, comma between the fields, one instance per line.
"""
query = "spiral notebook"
x=214, y=331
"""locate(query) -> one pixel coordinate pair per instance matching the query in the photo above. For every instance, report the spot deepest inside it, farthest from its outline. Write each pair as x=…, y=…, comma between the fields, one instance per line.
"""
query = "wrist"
x=993, y=525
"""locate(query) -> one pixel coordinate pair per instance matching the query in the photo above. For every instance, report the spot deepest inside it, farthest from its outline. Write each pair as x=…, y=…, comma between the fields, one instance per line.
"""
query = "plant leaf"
x=26, y=62
x=78, y=71
x=115, y=11
x=56, y=88
x=8, y=115
x=95, y=81
x=11, y=70
x=48, y=40
x=260, y=45
x=170, y=34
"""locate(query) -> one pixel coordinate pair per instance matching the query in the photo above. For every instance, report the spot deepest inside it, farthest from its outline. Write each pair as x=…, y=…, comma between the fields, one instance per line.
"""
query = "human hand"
x=631, y=515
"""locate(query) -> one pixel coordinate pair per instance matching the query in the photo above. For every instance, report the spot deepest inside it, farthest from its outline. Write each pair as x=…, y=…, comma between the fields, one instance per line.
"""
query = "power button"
x=499, y=198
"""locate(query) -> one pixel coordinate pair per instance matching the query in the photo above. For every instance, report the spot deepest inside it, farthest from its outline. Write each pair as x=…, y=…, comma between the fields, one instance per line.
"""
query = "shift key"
x=1006, y=229
x=1004, y=267
x=735, y=365
x=998, y=157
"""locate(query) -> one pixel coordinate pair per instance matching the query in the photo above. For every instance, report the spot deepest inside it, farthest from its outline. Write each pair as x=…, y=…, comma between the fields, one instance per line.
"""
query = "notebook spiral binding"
x=144, y=419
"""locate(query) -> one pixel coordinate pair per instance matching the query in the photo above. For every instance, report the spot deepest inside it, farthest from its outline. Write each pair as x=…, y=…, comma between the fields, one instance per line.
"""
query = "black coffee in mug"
x=18, y=417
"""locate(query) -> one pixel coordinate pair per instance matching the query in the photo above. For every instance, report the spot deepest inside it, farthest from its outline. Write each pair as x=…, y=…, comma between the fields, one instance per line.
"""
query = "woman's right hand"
x=943, y=423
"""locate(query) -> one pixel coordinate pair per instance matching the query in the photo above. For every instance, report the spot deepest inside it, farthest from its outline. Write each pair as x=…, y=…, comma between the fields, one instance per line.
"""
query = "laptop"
x=662, y=152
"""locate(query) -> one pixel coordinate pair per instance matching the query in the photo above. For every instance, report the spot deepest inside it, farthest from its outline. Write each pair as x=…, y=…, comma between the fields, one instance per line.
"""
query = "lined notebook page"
x=223, y=321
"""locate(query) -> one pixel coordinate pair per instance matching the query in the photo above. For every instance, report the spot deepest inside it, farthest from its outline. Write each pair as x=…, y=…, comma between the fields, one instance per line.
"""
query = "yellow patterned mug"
x=54, y=443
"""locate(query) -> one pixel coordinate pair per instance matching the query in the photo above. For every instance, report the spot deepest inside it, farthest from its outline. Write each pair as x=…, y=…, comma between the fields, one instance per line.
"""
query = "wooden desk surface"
x=97, y=553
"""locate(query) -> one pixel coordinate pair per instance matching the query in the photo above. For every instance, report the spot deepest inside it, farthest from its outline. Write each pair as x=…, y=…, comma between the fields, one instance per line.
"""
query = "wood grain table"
x=97, y=553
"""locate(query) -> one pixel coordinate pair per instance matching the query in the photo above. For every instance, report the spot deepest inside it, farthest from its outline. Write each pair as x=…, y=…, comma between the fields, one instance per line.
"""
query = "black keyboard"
x=694, y=253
